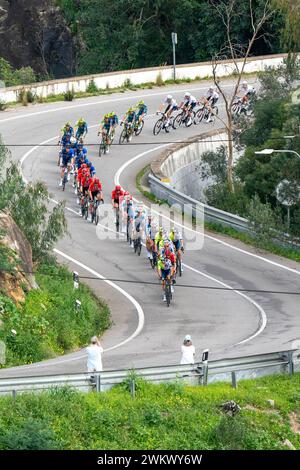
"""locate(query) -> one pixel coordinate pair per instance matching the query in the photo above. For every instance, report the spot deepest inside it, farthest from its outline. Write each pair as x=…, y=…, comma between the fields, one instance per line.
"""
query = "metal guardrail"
x=201, y=373
x=164, y=191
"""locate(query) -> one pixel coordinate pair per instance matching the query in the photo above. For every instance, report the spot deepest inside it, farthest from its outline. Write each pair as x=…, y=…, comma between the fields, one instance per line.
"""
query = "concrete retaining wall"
x=138, y=76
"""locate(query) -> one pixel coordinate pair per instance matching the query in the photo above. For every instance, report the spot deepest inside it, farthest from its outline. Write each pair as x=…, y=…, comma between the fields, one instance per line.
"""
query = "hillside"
x=34, y=33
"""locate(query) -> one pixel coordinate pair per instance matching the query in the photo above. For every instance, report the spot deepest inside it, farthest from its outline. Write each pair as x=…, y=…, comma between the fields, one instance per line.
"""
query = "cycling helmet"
x=68, y=146
x=84, y=165
x=96, y=180
x=169, y=98
x=80, y=145
x=187, y=94
x=68, y=124
x=126, y=193
x=245, y=83
x=118, y=187
x=130, y=110
x=141, y=103
x=81, y=121
x=211, y=88
x=160, y=229
x=89, y=164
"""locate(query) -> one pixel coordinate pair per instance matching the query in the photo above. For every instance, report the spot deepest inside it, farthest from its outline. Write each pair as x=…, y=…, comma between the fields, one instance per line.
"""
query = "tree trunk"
x=230, y=154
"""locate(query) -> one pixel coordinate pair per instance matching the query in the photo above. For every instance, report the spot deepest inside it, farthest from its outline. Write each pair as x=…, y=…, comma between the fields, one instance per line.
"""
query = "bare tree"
x=229, y=12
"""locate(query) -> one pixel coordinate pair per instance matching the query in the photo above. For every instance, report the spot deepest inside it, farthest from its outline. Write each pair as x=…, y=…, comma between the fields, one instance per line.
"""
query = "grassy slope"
x=47, y=324
x=159, y=417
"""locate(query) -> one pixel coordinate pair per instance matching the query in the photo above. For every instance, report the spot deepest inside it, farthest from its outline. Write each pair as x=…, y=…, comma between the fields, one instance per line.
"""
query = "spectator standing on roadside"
x=94, y=352
x=188, y=351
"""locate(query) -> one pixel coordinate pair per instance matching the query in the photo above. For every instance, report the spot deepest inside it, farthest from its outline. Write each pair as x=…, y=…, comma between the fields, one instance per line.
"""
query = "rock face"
x=12, y=284
x=34, y=33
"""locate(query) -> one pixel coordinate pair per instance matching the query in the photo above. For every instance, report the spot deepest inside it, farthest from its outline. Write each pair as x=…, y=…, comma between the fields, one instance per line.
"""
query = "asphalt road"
x=145, y=332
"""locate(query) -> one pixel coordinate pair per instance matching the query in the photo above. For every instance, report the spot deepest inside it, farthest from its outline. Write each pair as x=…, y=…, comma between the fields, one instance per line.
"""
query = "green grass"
x=290, y=253
x=166, y=416
x=47, y=323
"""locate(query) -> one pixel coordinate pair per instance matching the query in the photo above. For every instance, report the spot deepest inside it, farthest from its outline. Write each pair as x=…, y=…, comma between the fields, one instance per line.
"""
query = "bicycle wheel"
x=158, y=127
x=139, y=247
x=123, y=137
x=168, y=293
x=190, y=119
x=199, y=116
x=117, y=221
x=86, y=212
x=178, y=263
x=177, y=121
x=96, y=215
x=101, y=148
x=139, y=129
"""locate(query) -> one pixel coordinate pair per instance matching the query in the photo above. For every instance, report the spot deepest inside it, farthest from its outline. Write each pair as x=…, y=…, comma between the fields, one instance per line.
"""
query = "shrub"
x=262, y=220
x=3, y=105
x=127, y=83
x=22, y=97
x=92, y=87
x=69, y=95
x=33, y=435
x=159, y=80
x=25, y=75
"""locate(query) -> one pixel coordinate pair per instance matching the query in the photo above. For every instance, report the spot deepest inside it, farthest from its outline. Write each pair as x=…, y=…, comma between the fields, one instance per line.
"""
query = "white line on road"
x=263, y=322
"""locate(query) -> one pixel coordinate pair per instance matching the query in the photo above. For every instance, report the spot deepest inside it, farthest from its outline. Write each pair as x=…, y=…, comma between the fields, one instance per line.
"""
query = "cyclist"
x=82, y=129
x=95, y=192
x=150, y=238
x=164, y=270
x=188, y=104
x=85, y=182
x=159, y=237
x=117, y=195
x=66, y=158
x=114, y=120
x=210, y=100
x=171, y=106
x=177, y=240
x=141, y=111
x=91, y=168
x=106, y=129
x=66, y=130
x=128, y=214
x=138, y=223
x=129, y=118
x=247, y=92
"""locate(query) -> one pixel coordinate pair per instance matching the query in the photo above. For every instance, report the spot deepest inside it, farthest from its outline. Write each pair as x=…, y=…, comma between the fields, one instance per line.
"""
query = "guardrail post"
x=98, y=383
x=132, y=388
x=291, y=362
x=14, y=395
x=205, y=365
x=233, y=379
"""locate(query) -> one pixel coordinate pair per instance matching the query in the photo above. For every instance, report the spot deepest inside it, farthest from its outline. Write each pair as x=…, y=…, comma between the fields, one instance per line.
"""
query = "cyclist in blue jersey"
x=141, y=111
x=82, y=129
x=66, y=156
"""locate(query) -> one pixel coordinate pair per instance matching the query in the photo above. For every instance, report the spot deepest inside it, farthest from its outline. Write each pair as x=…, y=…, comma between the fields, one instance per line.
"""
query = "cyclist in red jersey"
x=117, y=195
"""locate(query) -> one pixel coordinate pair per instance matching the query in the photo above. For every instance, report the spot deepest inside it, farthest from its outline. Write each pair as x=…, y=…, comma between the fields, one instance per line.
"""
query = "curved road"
x=144, y=331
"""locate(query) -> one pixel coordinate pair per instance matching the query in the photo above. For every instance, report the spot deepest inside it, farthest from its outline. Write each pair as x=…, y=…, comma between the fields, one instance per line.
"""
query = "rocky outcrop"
x=34, y=33
x=13, y=285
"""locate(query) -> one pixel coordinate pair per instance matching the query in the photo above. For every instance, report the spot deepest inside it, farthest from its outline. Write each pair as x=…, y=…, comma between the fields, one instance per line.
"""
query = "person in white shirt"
x=189, y=102
x=94, y=353
x=170, y=106
x=247, y=91
x=188, y=351
x=210, y=101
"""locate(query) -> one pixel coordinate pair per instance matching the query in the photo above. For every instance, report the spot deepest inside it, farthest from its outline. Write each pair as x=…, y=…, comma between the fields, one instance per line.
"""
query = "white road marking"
x=259, y=308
